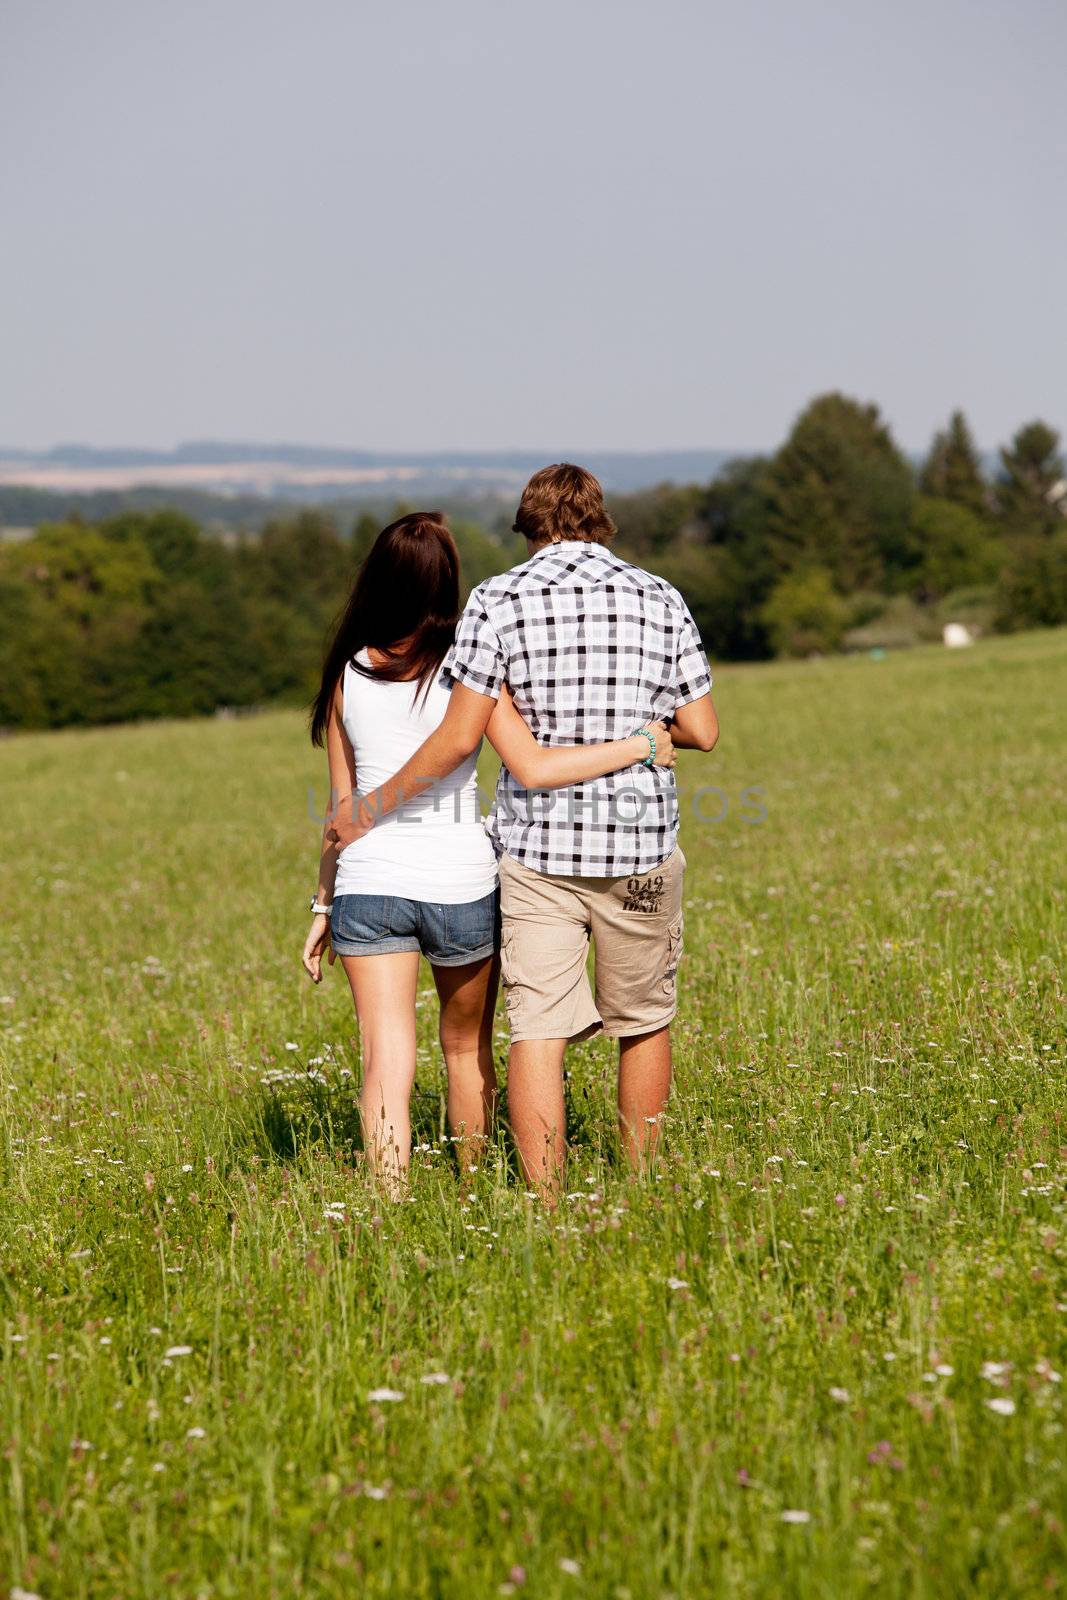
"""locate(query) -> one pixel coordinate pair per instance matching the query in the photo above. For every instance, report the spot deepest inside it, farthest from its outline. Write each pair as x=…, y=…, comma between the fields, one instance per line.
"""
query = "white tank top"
x=434, y=847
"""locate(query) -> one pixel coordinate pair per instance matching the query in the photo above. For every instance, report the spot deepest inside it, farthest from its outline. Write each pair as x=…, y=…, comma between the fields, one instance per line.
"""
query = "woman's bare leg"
x=468, y=997
x=384, y=990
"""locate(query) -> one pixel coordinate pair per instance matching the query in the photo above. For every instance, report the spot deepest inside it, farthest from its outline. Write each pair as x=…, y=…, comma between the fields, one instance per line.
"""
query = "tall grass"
x=818, y=1354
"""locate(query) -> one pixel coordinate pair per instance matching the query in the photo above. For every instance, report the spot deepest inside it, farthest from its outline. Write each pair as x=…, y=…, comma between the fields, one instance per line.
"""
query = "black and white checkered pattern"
x=590, y=647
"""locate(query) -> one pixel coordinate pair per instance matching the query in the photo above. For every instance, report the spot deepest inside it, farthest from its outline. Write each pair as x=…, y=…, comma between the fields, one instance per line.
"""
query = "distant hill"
x=310, y=473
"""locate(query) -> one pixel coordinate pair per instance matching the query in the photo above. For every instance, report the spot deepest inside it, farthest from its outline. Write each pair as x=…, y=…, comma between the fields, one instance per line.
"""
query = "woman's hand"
x=664, y=744
x=318, y=943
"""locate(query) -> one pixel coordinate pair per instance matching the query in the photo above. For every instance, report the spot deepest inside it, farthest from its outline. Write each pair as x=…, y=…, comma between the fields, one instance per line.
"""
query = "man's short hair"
x=564, y=502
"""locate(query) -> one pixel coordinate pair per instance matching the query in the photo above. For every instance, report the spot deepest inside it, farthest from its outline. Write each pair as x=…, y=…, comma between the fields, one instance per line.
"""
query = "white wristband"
x=320, y=910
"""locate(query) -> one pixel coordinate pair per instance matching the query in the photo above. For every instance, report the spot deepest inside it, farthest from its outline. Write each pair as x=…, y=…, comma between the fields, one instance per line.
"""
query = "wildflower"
x=194, y=1433
x=796, y=1516
x=384, y=1396
x=289, y=1045
x=677, y=1283
x=1002, y=1405
x=571, y=1567
x=994, y=1371
x=179, y=1350
x=435, y=1378
x=372, y=1491
x=943, y=1369
x=842, y=1396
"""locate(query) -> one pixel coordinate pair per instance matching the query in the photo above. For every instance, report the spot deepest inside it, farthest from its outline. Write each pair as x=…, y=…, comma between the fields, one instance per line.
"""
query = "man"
x=590, y=648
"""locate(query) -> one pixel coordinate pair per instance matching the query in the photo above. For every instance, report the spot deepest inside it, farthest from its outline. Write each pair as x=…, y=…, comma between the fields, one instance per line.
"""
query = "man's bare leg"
x=644, y=1087
x=535, y=1107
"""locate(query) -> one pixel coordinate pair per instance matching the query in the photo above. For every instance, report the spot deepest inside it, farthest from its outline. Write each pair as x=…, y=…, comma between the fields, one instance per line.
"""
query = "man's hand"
x=351, y=820
x=318, y=943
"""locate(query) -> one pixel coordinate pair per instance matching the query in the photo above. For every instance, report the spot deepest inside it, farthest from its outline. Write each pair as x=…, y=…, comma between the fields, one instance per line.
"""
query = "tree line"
x=838, y=540
x=144, y=615
x=834, y=541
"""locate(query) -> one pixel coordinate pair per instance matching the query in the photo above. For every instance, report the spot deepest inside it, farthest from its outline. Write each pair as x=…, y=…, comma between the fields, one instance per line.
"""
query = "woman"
x=424, y=879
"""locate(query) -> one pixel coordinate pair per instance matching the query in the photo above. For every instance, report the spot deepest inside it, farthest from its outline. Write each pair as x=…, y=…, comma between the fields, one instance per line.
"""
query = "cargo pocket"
x=507, y=971
x=674, y=955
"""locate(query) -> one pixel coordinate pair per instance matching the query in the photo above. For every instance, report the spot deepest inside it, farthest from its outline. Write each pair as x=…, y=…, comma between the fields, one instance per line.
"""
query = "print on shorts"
x=644, y=894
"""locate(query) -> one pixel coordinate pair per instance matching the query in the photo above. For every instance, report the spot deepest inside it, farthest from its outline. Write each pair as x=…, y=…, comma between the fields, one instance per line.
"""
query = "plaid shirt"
x=590, y=648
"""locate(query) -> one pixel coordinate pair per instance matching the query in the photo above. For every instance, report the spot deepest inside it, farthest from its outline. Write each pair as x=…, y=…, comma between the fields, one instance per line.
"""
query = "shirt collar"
x=569, y=547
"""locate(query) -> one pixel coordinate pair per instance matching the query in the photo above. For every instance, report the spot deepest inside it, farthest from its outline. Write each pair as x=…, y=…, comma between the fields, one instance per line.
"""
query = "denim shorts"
x=447, y=935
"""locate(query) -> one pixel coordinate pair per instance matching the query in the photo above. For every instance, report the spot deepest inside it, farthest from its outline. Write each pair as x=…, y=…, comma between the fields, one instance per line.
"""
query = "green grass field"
x=818, y=1354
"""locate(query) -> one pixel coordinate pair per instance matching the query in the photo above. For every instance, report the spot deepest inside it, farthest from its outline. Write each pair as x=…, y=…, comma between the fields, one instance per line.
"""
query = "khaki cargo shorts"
x=635, y=924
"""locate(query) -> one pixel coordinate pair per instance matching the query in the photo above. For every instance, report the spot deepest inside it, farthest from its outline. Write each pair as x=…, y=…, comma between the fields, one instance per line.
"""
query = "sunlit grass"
x=818, y=1355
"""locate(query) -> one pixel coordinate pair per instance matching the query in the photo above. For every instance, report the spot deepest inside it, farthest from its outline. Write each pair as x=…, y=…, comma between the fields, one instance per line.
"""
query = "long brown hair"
x=406, y=593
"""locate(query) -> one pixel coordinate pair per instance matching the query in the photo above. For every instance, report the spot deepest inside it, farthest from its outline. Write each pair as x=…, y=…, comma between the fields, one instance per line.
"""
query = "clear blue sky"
x=475, y=224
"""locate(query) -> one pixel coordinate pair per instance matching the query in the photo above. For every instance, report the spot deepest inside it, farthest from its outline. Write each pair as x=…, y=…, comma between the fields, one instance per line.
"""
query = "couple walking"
x=585, y=673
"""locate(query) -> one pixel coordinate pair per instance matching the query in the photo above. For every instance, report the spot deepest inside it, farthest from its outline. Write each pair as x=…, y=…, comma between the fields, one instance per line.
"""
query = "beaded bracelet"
x=647, y=761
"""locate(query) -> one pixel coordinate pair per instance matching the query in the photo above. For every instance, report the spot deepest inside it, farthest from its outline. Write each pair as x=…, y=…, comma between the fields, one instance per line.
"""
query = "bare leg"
x=538, y=1120
x=384, y=989
x=468, y=997
x=644, y=1086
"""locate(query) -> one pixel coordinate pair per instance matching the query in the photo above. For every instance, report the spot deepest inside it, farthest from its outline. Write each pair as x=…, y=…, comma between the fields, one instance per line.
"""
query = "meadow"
x=817, y=1354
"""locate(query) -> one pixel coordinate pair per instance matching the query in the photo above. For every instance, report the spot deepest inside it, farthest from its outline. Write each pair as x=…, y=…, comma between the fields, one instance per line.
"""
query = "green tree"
x=1032, y=591
x=302, y=562
x=652, y=519
x=953, y=546
x=839, y=496
x=718, y=587
x=728, y=575
x=953, y=469
x=364, y=533
x=1032, y=471
x=805, y=614
x=77, y=598
x=86, y=573
x=40, y=655
x=480, y=556
x=172, y=539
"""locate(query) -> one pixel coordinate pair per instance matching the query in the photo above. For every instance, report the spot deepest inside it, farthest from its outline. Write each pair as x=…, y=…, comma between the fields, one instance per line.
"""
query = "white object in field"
x=956, y=635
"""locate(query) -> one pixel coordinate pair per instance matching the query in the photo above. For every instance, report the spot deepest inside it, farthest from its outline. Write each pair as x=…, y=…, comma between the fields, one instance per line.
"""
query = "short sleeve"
x=476, y=658
x=692, y=675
